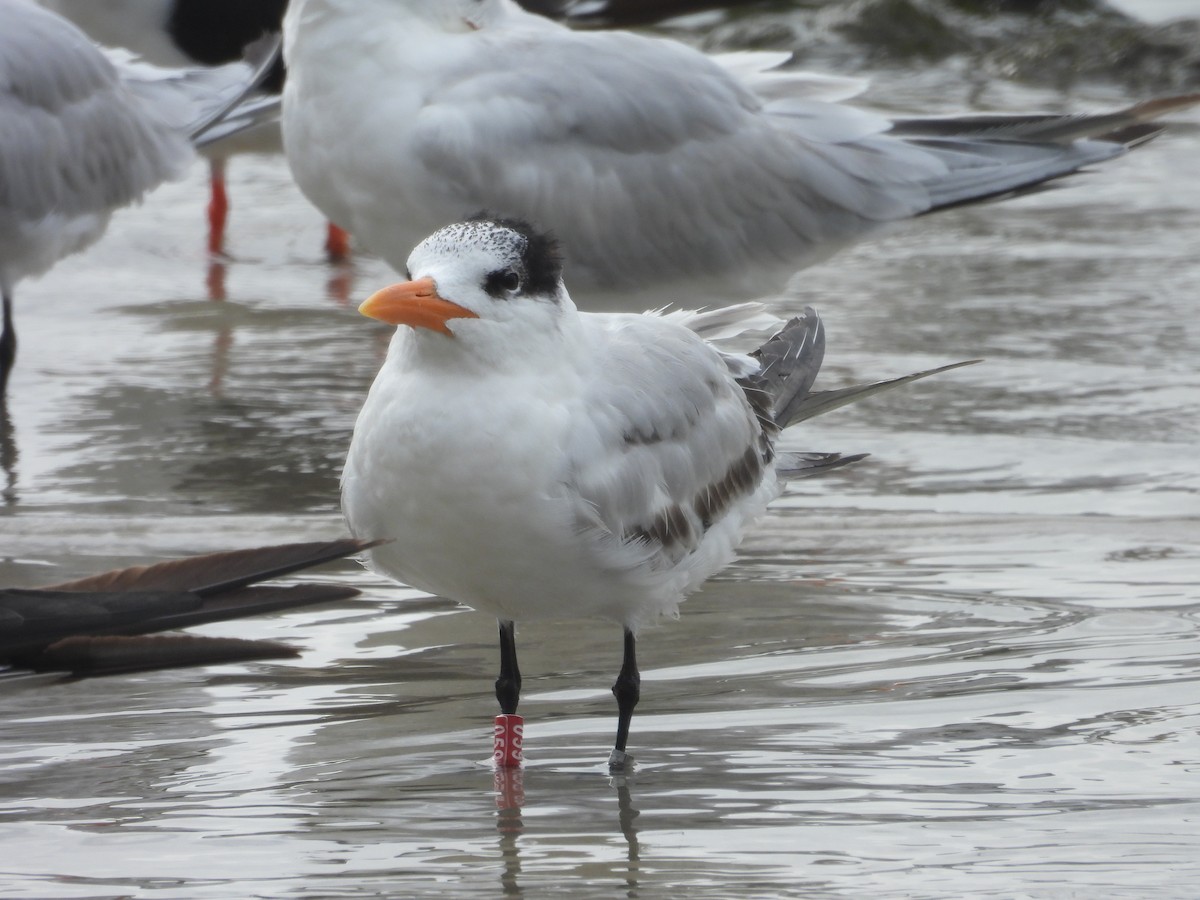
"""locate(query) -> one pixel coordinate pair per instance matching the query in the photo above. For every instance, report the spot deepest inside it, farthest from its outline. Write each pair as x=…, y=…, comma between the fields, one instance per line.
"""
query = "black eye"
x=502, y=282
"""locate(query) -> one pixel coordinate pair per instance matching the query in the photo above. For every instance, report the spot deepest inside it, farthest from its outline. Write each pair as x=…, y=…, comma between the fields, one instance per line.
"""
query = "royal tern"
x=93, y=625
x=533, y=461
x=82, y=135
x=653, y=163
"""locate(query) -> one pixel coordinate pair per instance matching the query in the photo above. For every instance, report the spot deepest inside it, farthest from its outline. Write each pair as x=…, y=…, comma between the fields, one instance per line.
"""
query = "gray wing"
x=250, y=113
x=643, y=151
x=664, y=444
x=71, y=140
x=646, y=152
x=81, y=134
x=194, y=100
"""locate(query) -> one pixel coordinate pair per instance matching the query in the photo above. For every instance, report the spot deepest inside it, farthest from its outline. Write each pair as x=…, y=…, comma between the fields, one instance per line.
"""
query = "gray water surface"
x=965, y=667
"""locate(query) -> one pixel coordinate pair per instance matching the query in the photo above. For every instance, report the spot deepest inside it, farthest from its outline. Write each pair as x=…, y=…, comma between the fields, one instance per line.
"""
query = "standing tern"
x=536, y=462
x=82, y=134
x=653, y=163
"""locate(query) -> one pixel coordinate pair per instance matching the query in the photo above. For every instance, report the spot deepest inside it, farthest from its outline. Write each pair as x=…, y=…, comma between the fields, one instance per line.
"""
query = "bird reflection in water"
x=340, y=285
x=214, y=283
x=8, y=456
x=510, y=801
x=626, y=816
x=509, y=784
x=214, y=279
x=338, y=288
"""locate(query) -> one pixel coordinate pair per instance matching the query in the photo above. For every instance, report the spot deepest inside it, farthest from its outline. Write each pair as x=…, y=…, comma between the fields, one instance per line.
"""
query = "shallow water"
x=965, y=667
x=1157, y=10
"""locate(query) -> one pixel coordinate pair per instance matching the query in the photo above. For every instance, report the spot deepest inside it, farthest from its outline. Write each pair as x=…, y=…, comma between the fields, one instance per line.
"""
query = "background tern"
x=532, y=461
x=179, y=33
x=83, y=134
x=191, y=33
x=653, y=163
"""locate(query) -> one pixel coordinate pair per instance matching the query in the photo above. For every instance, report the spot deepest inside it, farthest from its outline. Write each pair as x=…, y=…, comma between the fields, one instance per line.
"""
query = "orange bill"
x=416, y=304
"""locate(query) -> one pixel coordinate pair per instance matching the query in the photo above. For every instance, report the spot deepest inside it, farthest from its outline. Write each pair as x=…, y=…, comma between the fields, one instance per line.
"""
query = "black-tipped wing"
x=790, y=466
x=57, y=627
x=214, y=572
x=789, y=363
x=1050, y=128
x=818, y=403
x=115, y=654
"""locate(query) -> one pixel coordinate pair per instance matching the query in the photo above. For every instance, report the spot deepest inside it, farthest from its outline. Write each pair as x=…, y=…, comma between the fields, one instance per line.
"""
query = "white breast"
x=450, y=470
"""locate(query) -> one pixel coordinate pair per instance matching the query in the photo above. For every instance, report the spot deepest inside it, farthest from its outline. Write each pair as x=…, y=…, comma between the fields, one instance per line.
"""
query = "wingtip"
x=259, y=56
x=212, y=572
x=1152, y=110
x=956, y=365
x=261, y=53
x=88, y=655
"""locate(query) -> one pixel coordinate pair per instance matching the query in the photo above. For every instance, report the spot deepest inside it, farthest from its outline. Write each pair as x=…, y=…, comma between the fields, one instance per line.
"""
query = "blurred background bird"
x=659, y=167
x=210, y=32
x=83, y=134
x=196, y=33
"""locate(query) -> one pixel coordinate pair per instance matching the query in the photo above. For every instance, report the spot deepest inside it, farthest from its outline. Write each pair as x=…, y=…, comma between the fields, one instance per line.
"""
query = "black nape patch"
x=541, y=254
x=216, y=31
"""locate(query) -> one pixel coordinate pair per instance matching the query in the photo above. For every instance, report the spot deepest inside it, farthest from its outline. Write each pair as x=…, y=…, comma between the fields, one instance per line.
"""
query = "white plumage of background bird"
x=181, y=33
x=83, y=134
x=655, y=164
x=537, y=462
x=197, y=33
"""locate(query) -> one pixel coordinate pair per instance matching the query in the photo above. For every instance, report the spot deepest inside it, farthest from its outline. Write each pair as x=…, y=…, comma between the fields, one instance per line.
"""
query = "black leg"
x=8, y=343
x=628, y=691
x=508, y=685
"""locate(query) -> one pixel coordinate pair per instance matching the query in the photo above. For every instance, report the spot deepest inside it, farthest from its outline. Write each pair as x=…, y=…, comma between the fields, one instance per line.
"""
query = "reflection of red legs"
x=341, y=279
x=340, y=284
x=337, y=244
x=510, y=799
x=222, y=345
x=218, y=207
x=218, y=212
x=509, y=783
x=215, y=280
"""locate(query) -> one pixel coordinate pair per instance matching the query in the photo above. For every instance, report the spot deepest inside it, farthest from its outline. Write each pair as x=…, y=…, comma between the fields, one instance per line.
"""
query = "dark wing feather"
x=782, y=390
x=817, y=403
x=789, y=363
x=790, y=466
x=1130, y=126
x=160, y=597
x=215, y=572
x=110, y=655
